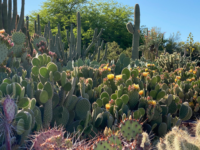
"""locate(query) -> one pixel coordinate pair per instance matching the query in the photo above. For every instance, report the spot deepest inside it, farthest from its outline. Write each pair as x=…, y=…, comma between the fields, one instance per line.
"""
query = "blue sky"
x=168, y=15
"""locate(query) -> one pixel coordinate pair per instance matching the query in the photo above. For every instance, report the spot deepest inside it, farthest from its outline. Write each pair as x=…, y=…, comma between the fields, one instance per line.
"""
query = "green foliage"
x=111, y=18
x=113, y=51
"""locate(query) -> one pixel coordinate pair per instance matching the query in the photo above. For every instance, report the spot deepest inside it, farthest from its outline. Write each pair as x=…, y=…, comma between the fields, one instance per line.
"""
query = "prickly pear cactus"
x=9, y=108
x=6, y=135
x=17, y=50
x=36, y=40
x=3, y=52
x=18, y=38
x=104, y=144
x=41, y=137
x=130, y=128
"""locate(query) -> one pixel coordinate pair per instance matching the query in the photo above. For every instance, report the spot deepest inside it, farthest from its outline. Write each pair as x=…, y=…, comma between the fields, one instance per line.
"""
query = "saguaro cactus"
x=134, y=29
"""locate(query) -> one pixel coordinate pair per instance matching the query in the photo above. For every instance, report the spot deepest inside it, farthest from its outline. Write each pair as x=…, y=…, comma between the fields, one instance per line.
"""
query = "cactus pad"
x=3, y=52
x=37, y=40
x=103, y=144
x=41, y=137
x=9, y=109
x=130, y=128
x=60, y=115
x=18, y=38
x=17, y=50
x=82, y=107
x=115, y=140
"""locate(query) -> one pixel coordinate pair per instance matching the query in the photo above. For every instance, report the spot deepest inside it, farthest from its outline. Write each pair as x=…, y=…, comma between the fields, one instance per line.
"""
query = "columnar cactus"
x=8, y=22
x=134, y=29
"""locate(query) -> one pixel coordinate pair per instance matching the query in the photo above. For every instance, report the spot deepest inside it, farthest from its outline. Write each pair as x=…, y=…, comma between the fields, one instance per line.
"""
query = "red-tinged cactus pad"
x=130, y=128
x=115, y=140
x=47, y=146
x=41, y=137
x=57, y=140
x=9, y=109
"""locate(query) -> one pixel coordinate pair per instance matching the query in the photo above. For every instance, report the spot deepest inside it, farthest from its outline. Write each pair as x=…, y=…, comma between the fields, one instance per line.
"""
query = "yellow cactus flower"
x=2, y=31
x=193, y=78
x=118, y=77
x=175, y=80
x=178, y=77
x=190, y=70
x=107, y=106
x=189, y=80
x=141, y=92
x=110, y=76
x=136, y=86
x=109, y=69
x=153, y=71
x=191, y=104
x=193, y=49
x=152, y=102
x=130, y=69
x=153, y=65
x=148, y=65
x=105, y=67
x=146, y=70
x=194, y=72
x=145, y=74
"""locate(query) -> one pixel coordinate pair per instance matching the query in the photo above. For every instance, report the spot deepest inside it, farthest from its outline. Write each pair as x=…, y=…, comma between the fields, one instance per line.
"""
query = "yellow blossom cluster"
x=105, y=68
x=192, y=79
x=118, y=77
x=149, y=65
x=152, y=102
x=110, y=76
